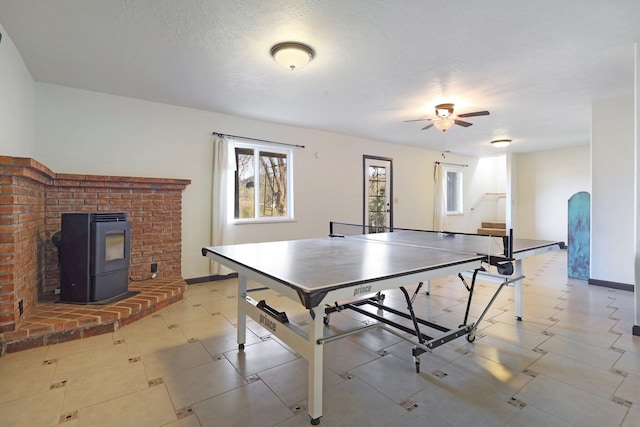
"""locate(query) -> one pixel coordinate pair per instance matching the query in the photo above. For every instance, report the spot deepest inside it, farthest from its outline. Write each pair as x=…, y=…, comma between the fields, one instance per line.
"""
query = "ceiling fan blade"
x=416, y=120
x=427, y=126
x=462, y=123
x=477, y=113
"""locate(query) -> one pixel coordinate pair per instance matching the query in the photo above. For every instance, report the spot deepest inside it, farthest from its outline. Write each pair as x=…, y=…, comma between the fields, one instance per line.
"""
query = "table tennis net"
x=496, y=246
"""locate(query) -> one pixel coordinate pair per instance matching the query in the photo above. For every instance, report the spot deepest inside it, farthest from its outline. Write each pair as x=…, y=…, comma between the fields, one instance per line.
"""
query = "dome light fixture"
x=501, y=143
x=444, y=124
x=292, y=55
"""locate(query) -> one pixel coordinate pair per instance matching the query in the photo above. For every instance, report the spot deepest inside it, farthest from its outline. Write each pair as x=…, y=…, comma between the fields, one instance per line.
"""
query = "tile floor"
x=571, y=362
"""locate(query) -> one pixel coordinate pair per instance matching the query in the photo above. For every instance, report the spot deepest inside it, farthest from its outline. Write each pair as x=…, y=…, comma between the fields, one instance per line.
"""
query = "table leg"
x=315, y=361
x=518, y=285
x=242, y=317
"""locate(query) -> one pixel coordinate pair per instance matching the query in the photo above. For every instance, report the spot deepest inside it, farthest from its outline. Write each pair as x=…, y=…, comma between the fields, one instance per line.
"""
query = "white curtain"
x=224, y=163
x=440, y=199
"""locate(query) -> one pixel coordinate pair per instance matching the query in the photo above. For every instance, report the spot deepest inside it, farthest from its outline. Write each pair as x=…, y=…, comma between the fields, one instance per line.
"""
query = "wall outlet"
x=154, y=267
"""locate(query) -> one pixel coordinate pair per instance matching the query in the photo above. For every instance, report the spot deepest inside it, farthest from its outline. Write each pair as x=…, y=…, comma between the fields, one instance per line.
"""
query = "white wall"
x=91, y=133
x=488, y=176
x=612, y=174
x=87, y=132
x=17, y=130
x=546, y=181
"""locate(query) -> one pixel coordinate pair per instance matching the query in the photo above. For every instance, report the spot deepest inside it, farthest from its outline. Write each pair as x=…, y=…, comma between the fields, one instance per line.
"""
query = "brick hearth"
x=52, y=322
x=32, y=199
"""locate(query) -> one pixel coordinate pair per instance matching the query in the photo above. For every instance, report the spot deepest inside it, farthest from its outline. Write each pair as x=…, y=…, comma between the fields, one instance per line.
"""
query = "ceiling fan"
x=445, y=119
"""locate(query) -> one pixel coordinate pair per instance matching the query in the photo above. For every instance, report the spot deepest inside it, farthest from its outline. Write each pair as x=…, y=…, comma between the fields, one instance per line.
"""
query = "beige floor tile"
x=290, y=381
x=150, y=325
x=149, y=407
x=230, y=409
x=393, y=377
x=75, y=365
x=154, y=341
x=478, y=410
x=596, y=381
x=23, y=382
x=421, y=417
x=531, y=321
x=22, y=360
x=571, y=404
x=193, y=385
x=205, y=327
x=628, y=342
x=603, y=358
x=103, y=385
x=41, y=409
x=633, y=417
x=630, y=389
x=79, y=346
x=629, y=362
x=342, y=355
x=225, y=341
x=518, y=336
x=530, y=416
x=353, y=403
x=259, y=357
x=512, y=356
x=577, y=332
x=300, y=420
x=183, y=312
x=172, y=359
x=190, y=421
x=476, y=376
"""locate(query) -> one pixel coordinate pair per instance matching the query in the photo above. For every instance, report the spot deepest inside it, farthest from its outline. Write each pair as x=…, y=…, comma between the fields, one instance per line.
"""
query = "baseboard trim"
x=214, y=278
x=614, y=285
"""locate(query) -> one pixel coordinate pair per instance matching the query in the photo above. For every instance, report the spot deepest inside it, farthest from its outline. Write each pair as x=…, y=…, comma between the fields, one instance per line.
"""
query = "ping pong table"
x=352, y=269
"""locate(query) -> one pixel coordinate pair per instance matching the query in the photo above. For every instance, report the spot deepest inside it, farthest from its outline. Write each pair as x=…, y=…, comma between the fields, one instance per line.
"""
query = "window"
x=454, y=191
x=263, y=183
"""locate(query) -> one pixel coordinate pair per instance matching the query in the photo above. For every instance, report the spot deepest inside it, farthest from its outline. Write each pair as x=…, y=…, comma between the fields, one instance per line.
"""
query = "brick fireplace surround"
x=32, y=199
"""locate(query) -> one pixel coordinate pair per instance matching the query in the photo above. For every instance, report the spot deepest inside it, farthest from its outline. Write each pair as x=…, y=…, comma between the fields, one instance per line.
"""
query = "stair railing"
x=482, y=197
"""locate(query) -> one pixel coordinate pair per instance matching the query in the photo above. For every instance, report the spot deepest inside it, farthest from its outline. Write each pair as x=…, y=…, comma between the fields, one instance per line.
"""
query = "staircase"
x=493, y=228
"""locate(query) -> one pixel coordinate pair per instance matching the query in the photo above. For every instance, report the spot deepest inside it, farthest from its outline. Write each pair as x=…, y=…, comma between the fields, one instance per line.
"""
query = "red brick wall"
x=23, y=184
x=32, y=199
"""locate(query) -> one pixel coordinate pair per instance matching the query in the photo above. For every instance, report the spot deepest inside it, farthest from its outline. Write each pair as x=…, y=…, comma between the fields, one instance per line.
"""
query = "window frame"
x=233, y=189
x=459, y=189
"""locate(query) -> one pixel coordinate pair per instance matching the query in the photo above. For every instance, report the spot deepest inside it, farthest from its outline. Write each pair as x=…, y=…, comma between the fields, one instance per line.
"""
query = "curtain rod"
x=222, y=135
x=452, y=164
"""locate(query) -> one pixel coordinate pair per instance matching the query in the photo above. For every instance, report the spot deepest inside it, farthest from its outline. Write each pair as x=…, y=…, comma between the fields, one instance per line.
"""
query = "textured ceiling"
x=537, y=66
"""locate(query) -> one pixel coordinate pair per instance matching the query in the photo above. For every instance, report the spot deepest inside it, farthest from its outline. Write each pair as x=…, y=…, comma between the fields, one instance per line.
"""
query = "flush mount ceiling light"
x=292, y=55
x=501, y=143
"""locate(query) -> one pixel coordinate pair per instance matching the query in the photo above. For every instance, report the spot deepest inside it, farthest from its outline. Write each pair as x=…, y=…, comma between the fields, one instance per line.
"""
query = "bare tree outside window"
x=273, y=177
x=262, y=183
x=377, y=198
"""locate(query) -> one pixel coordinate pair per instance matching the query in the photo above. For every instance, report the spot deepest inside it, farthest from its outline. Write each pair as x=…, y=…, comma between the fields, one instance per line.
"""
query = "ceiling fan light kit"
x=445, y=119
x=444, y=124
x=444, y=110
x=292, y=55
